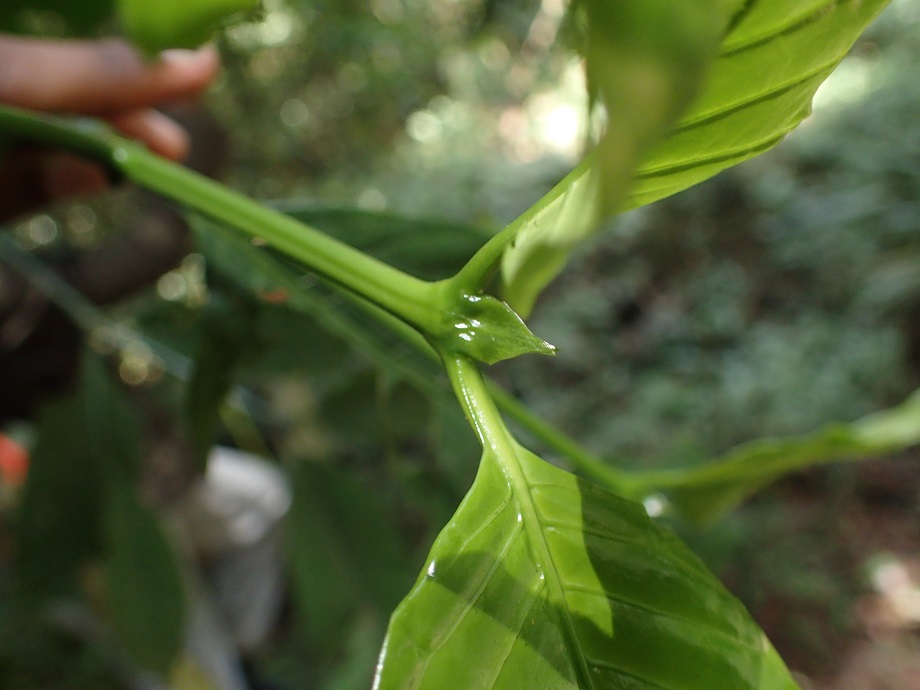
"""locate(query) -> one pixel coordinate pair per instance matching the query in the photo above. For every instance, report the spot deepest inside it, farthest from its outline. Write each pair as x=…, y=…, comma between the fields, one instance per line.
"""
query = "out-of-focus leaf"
x=773, y=58
x=59, y=517
x=266, y=277
x=429, y=248
x=156, y=26
x=81, y=501
x=645, y=60
x=349, y=560
x=74, y=18
x=545, y=581
x=759, y=89
x=147, y=600
x=706, y=493
x=146, y=595
x=226, y=338
x=110, y=424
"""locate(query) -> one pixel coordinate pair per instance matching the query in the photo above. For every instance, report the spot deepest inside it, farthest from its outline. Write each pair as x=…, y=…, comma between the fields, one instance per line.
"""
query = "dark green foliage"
x=56, y=16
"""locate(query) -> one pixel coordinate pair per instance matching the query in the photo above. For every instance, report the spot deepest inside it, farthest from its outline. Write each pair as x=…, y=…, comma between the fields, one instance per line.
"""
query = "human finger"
x=160, y=133
x=97, y=77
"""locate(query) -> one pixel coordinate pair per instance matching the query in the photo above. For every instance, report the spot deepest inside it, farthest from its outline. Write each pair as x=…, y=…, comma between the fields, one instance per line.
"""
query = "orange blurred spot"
x=14, y=462
x=279, y=296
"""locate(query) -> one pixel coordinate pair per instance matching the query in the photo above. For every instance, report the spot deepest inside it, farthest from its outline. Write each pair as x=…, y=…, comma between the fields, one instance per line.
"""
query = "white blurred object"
x=232, y=521
x=239, y=502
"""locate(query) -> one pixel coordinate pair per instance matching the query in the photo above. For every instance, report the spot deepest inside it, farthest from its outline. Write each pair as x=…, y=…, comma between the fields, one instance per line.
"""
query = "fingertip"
x=196, y=68
x=160, y=133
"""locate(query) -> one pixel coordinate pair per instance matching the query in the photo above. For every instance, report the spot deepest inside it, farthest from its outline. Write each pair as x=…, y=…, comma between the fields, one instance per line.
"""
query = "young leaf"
x=772, y=60
x=544, y=581
x=706, y=493
x=488, y=330
x=156, y=26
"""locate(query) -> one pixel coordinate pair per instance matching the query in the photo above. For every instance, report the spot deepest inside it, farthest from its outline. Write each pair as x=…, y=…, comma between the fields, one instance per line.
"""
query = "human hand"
x=107, y=79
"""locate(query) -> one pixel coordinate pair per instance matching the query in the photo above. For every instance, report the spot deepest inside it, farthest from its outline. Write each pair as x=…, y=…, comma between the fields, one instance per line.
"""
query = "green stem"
x=416, y=301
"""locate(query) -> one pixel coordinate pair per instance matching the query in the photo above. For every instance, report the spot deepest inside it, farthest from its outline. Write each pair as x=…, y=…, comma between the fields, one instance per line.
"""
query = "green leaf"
x=759, y=89
x=59, y=515
x=348, y=558
x=542, y=580
x=147, y=598
x=706, y=493
x=645, y=60
x=557, y=584
x=81, y=501
x=772, y=60
x=488, y=330
x=226, y=339
x=430, y=248
x=156, y=26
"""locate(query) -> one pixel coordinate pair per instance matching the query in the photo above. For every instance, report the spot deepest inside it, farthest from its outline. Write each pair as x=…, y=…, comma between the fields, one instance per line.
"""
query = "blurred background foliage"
x=781, y=295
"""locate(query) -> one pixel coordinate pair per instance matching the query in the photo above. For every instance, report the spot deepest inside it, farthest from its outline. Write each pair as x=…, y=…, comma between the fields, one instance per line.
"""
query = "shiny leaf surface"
x=620, y=602
x=542, y=580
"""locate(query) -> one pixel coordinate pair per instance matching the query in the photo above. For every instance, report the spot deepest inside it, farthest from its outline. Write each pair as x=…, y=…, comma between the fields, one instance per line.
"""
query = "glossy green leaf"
x=706, y=493
x=156, y=26
x=773, y=58
x=542, y=580
x=488, y=330
x=563, y=585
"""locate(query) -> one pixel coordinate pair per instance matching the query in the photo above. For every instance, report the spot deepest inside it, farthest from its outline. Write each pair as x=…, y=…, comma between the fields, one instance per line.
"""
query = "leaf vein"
x=796, y=24
x=468, y=606
x=516, y=634
x=661, y=613
x=739, y=106
x=737, y=154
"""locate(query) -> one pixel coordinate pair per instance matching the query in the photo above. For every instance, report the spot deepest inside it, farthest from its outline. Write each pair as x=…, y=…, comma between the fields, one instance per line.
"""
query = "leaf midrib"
x=505, y=451
x=507, y=455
